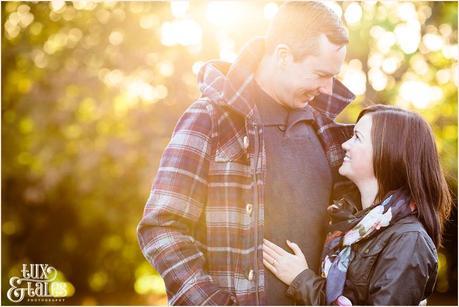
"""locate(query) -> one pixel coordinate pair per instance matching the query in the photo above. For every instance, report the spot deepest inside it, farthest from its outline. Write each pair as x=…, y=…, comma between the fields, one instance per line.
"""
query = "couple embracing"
x=261, y=198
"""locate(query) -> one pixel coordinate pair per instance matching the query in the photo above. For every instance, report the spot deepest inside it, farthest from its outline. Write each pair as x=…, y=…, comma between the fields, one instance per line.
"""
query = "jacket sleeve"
x=175, y=204
x=405, y=271
x=308, y=288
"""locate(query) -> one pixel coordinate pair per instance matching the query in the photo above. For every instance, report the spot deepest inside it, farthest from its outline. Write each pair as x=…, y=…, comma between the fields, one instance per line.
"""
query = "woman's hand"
x=284, y=265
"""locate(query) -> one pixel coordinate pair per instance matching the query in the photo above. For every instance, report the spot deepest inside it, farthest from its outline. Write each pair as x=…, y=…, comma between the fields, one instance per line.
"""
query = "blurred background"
x=92, y=91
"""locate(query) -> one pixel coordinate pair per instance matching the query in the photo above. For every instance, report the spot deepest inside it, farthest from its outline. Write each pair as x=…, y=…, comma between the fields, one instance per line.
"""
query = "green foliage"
x=91, y=93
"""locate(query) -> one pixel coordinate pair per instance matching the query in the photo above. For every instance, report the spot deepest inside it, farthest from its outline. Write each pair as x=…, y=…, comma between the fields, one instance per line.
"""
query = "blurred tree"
x=91, y=93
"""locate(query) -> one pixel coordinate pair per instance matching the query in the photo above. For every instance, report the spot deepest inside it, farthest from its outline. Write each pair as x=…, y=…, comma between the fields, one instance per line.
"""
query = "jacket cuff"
x=305, y=275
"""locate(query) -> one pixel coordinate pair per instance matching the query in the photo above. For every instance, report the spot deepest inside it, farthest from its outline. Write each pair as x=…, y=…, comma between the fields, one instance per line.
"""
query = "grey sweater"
x=298, y=187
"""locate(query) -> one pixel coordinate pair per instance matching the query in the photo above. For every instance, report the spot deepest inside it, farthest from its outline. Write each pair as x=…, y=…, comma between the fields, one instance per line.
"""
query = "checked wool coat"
x=202, y=227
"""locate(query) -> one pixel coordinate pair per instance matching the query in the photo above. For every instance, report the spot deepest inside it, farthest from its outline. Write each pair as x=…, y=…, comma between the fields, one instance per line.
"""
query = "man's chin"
x=309, y=99
x=299, y=104
x=304, y=103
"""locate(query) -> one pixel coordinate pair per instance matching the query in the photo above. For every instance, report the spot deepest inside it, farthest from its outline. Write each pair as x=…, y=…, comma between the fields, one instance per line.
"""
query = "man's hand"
x=281, y=263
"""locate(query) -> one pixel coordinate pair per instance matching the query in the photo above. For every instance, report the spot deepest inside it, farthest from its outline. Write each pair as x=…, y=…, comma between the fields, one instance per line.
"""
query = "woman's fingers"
x=280, y=251
x=271, y=251
x=270, y=267
x=267, y=255
x=296, y=249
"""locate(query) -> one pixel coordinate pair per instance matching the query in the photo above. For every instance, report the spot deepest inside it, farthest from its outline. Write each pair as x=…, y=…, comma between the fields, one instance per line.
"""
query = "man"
x=258, y=148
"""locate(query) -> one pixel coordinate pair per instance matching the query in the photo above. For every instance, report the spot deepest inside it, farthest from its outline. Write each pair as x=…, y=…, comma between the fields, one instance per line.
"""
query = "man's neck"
x=264, y=78
x=368, y=192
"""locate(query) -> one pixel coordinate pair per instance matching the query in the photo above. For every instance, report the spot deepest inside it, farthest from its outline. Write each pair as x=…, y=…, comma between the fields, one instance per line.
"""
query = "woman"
x=385, y=252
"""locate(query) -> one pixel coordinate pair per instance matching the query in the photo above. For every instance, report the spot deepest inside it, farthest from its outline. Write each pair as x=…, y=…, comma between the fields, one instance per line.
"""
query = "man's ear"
x=283, y=55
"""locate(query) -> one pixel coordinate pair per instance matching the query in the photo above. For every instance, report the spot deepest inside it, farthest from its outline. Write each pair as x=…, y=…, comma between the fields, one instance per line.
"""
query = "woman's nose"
x=345, y=145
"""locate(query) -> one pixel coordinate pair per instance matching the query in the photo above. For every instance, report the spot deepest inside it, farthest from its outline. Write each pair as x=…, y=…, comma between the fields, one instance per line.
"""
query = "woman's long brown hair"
x=405, y=156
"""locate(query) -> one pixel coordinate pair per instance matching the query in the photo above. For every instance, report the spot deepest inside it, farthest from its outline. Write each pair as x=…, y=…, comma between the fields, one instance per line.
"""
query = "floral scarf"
x=347, y=229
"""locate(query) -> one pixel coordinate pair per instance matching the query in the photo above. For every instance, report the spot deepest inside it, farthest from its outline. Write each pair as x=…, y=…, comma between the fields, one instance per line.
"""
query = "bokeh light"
x=270, y=10
x=224, y=13
x=354, y=77
x=408, y=36
x=91, y=93
x=353, y=13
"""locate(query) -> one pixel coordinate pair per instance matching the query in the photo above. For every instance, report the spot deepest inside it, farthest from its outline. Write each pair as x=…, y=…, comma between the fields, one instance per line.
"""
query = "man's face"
x=298, y=82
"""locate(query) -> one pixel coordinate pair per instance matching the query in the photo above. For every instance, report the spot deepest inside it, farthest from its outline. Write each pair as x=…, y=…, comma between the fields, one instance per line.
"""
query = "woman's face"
x=358, y=161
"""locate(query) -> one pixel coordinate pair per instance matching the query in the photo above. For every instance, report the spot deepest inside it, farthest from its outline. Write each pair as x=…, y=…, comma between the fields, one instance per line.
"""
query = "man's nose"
x=327, y=86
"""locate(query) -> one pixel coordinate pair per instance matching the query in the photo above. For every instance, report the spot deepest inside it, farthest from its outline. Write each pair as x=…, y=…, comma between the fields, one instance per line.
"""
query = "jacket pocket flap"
x=371, y=249
x=230, y=151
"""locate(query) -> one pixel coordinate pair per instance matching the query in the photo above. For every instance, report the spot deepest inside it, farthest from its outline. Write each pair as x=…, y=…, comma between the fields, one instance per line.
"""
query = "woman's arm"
x=405, y=271
x=305, y=286
x=308, y=288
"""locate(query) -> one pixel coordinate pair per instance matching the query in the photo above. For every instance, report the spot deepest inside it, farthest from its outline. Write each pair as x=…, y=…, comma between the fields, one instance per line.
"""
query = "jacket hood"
x=212, y=77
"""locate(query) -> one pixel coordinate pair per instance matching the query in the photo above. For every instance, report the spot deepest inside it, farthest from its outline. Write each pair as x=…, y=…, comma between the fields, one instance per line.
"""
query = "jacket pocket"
x=363, y=261
x=230, y=151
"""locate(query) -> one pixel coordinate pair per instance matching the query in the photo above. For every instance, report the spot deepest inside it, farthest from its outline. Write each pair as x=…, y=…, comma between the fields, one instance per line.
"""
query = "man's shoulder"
x=204, y=105
x=201, y=105
x=210, y=118
x=218, y=112
x=200, y=112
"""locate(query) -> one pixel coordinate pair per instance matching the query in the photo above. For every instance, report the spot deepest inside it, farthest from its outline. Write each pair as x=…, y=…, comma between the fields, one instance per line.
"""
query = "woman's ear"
x=283, y=55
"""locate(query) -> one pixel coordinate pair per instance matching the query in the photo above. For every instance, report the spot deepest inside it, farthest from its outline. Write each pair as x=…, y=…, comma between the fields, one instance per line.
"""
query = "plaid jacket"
x=202, y=227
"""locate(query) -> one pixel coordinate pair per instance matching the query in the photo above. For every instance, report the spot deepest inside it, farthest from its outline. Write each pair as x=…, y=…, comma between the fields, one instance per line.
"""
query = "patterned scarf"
x=347, y=229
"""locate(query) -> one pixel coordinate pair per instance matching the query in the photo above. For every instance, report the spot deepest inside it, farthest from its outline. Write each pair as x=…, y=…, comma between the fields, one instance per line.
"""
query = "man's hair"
x=405, y=156
x=299, y=25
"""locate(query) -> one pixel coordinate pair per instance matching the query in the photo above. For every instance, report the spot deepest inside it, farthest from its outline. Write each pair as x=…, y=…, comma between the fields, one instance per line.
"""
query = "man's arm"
x=176, y=201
